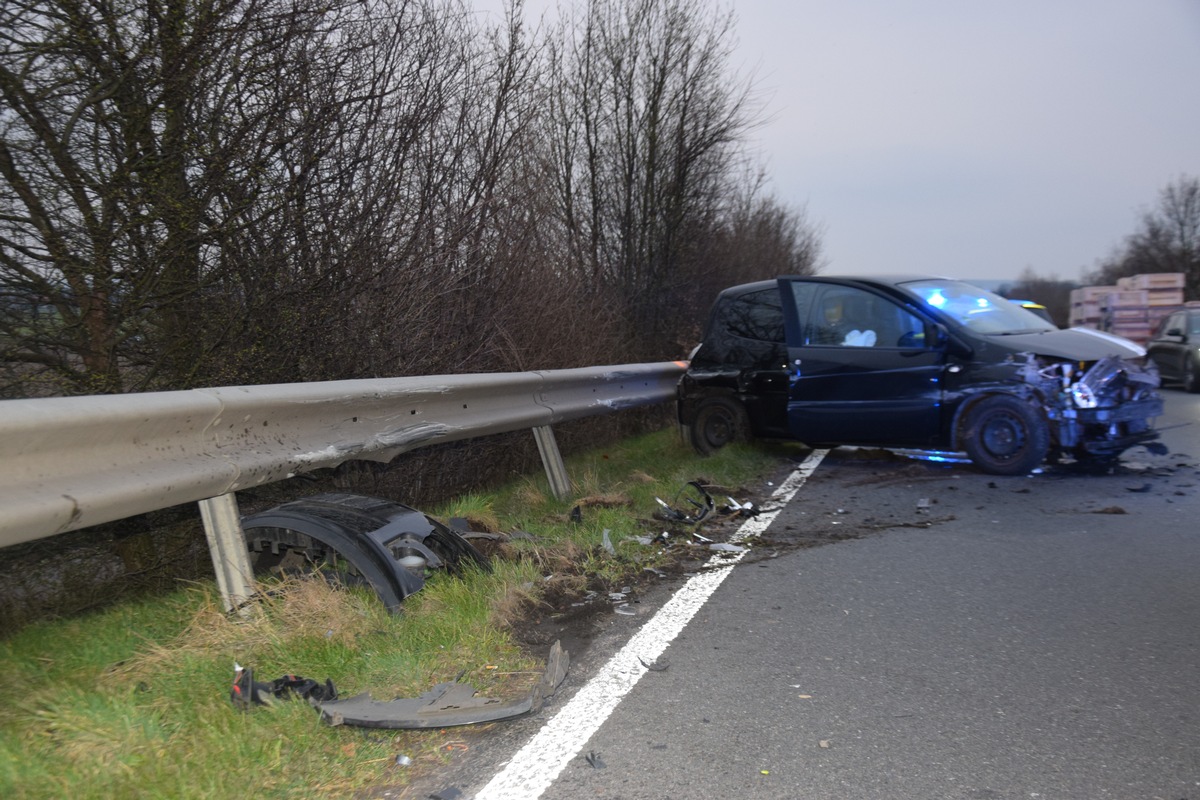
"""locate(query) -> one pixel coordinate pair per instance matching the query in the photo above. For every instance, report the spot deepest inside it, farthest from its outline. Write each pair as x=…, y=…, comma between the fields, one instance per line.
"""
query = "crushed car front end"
x=1098, y=409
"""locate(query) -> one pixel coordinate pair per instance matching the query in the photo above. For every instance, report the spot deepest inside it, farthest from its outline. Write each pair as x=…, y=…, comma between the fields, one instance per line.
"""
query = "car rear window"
x=757, y=315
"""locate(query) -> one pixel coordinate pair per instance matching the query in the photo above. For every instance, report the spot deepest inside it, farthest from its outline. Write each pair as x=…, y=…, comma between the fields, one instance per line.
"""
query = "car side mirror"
x=941, y=339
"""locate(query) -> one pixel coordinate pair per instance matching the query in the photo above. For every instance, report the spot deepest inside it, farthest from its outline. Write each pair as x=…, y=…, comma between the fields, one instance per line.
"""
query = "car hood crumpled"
x=1077, y=344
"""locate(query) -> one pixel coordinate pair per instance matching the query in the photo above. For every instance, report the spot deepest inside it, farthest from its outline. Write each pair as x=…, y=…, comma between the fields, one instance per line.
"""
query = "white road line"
x=538, y=763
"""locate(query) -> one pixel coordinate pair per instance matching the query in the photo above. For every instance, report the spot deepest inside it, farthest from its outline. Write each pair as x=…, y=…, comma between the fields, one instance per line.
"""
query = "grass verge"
x=132, y=701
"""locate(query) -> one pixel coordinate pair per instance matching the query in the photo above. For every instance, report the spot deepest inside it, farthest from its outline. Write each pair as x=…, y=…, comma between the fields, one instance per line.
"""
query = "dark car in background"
x=1175, y=348
x=913, y=362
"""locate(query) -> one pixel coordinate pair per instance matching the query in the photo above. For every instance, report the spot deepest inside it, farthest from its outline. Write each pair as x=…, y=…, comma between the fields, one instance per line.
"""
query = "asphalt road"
x=970, y=637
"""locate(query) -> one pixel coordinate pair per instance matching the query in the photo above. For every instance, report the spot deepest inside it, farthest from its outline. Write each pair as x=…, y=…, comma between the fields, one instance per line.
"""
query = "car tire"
x=1004, y=435
x=1191, y=375
x=718, y=421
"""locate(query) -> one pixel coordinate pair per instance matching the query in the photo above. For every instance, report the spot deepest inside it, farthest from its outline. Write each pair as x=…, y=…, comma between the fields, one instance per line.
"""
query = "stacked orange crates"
x=1127, y=313
x=1164, y=293
x=1133, y=308
x=1085, y=305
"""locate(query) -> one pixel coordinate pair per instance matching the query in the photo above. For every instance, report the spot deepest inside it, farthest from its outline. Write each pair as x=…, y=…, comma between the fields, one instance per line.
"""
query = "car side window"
x=845, y=316
x=757, y=315
x=1172, y=323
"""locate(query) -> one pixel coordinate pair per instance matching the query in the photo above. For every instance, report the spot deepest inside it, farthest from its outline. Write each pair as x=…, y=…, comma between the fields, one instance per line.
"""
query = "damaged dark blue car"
x=914, y=362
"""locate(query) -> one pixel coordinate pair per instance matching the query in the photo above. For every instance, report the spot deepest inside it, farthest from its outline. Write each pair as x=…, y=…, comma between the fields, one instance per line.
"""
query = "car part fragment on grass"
x=389, y=546
x=247, y=692
x=447, y=704
x=691, y=505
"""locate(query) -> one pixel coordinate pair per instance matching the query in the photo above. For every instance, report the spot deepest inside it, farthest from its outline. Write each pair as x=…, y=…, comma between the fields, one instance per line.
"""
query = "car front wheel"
x=717, y=422
x=1004, y=435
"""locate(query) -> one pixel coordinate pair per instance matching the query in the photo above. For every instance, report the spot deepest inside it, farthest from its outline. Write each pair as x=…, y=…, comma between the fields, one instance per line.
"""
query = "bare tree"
x=645, y=127
x=1167, y=239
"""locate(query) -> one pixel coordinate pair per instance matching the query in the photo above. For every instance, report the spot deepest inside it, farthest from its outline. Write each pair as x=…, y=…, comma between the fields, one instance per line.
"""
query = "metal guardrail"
x=67, y=463
x=71, y=462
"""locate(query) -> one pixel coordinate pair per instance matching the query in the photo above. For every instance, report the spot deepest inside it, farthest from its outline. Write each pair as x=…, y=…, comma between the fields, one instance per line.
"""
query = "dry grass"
x=290, y=610
x=609, y=500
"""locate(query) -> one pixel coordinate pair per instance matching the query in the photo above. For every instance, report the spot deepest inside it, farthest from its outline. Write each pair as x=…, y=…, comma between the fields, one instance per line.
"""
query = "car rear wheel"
x=1005, y=435
x=717, y=422
x=1191, y=375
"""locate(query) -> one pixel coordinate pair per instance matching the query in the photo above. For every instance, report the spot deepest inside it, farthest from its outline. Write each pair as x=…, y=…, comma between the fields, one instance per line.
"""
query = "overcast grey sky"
x=972, y=138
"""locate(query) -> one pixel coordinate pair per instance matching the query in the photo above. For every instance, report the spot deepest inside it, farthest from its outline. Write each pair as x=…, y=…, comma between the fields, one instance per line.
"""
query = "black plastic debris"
x=736, y=509
x=449, y=793
x=247, y=692
x=659, y=665
x=1145, y=487
x=447, y=704
x=594, y=759
x=691, y=505
x=389, y=546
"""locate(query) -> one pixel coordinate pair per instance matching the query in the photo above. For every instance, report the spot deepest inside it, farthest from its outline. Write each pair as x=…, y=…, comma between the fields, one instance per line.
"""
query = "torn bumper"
x=447, y=704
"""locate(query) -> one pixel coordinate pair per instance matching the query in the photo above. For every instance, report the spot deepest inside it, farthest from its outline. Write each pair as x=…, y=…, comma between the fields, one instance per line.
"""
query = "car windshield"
x=977, y=309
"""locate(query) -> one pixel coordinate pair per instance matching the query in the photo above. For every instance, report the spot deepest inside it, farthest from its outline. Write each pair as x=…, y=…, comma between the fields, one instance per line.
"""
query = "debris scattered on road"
x=1145, y=487
x=725, y=547
x=403, y=761
x=1111, y=510
x=823, y=744
x=449, y=793
x=626, y=610
x=738, y=509
x=594, y=759
x=659, y=665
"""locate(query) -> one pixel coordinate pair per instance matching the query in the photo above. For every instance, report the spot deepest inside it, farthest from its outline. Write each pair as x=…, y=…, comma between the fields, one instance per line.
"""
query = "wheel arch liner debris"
x=390, y=545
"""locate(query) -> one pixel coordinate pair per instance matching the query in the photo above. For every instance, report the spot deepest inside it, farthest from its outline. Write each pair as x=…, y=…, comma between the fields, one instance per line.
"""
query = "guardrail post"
x=556, y=470
x=227, y=543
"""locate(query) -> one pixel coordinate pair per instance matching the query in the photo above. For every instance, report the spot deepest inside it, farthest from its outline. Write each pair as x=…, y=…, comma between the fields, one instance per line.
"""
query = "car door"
x=861, y=369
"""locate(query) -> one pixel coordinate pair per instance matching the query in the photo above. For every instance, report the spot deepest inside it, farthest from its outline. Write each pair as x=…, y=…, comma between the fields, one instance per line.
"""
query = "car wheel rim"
x=719, y=430
x=1003, y=437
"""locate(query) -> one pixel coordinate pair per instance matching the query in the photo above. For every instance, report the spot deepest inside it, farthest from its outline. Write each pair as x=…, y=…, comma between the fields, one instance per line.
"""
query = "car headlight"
x=1083, y=395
